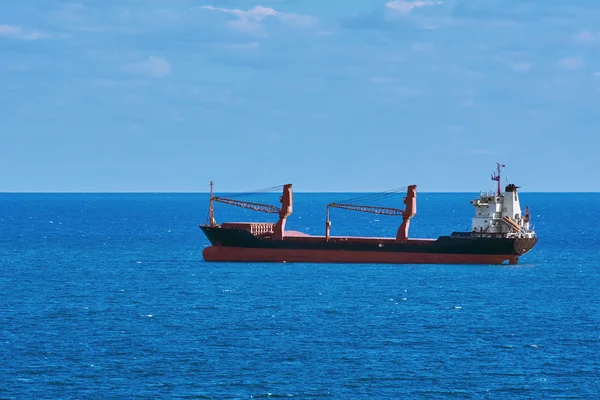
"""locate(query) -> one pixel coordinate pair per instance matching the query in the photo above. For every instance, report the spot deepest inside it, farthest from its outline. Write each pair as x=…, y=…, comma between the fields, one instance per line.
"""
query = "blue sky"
x=165, y=95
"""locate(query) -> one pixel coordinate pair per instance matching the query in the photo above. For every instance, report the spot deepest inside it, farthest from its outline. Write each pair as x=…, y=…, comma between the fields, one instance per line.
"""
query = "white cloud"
x=241, y=47
x=422, y=46
x=587, y=37
x=467, y=102
x=392, y=89
x=111, y=83
x=71, y=13
x=570, y=63
x=405, y=91
x=521, y=66
x=156, y=67
x=518, y=61
x=275, y=136
x=17, y=32
x=326, y=33
x=407, y=6
x=381, y=80
x=251, y=21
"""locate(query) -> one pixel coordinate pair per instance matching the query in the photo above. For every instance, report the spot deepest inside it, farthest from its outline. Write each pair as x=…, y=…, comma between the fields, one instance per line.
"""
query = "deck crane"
x=284, y=211
x=411, y=209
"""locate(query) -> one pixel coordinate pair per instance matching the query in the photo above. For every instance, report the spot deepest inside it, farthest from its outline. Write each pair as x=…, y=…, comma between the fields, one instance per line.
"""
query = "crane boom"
x=247, y=204
x=411, y=209
x=372, y=209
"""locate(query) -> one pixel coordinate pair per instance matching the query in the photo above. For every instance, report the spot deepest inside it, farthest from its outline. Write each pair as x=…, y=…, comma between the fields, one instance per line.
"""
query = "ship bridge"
x=499, y=214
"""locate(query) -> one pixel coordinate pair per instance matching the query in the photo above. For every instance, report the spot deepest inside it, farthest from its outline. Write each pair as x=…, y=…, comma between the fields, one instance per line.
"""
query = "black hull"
x=458, y=247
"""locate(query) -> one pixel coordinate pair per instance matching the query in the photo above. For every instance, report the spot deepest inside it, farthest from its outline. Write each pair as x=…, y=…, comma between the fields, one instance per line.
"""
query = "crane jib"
x=371, y=209
x=247, y=204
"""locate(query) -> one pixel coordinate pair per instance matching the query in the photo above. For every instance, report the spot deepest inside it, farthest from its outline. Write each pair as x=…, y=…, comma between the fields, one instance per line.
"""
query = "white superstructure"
x=498, y=214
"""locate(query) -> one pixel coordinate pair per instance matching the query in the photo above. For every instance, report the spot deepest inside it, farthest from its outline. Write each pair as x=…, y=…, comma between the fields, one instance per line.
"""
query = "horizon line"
x=243, y=192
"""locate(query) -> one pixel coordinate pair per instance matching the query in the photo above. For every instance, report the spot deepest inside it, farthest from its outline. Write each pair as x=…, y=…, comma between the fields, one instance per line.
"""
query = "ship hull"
x=235, y=245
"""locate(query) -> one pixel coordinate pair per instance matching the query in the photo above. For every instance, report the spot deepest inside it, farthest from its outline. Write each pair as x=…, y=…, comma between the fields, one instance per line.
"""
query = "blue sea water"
x=107, y=296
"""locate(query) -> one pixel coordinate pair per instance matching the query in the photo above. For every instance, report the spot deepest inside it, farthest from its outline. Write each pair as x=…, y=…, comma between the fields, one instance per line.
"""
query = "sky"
x=166, y=95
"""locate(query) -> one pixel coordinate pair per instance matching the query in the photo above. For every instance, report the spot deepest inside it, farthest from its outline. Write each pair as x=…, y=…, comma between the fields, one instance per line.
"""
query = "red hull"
x=241, y=254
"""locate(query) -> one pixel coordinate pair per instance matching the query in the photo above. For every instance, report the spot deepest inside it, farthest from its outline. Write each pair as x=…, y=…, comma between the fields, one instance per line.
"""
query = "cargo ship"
x=500, y=234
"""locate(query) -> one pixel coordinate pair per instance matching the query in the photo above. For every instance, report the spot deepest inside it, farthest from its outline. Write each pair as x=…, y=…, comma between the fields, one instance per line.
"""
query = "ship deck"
x=304, y=237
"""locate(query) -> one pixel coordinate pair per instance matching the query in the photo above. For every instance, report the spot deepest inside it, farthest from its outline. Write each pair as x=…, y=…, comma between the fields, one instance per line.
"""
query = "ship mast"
x=496, y=177
x=211, y=208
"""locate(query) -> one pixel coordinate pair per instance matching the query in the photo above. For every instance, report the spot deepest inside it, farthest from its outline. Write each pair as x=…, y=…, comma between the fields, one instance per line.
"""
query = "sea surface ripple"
x=107, y=296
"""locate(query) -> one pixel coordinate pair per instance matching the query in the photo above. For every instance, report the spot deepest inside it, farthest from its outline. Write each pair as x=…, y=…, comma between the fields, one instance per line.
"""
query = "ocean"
x=107, y=296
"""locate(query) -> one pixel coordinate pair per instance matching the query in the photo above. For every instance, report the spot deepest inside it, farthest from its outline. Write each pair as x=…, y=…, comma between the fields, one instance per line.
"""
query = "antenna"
x=496, y=177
